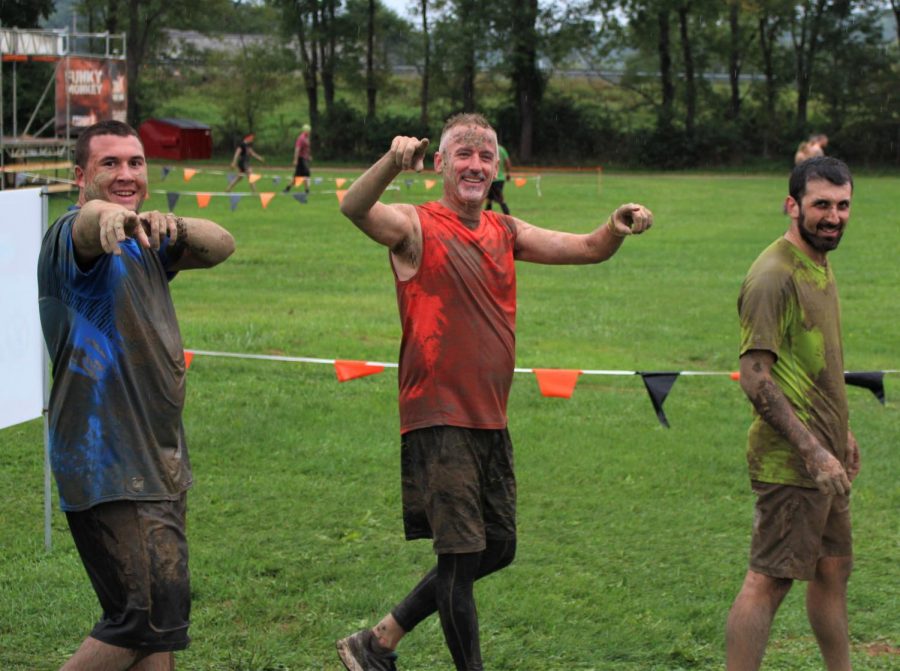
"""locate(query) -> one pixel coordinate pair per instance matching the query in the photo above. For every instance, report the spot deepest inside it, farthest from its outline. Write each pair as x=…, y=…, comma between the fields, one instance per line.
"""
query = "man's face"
x=822, y=214
x=116, y=172
x=468, y=163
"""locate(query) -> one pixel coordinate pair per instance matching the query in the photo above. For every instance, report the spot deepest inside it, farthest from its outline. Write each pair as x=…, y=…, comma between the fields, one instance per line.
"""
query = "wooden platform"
x=37, y=166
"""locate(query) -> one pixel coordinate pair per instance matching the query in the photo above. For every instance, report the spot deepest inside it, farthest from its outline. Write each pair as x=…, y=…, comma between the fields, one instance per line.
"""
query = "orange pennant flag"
x=557, y=382
x=203, y=200
x=188, y=173
x=188, y=357
x=340, y=193
x=298, y=181
x=430, y=183
x=265, y=197
x=253, y=179
x=521, y=181
x=340, y=181
x=349, y=370
x=735, y=376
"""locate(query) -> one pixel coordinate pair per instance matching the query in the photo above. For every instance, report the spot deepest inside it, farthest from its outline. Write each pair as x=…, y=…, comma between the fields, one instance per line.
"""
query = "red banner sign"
x=96, y=89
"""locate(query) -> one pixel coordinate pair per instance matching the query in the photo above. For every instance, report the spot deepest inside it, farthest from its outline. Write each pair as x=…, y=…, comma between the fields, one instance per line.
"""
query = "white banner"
x=21, y=341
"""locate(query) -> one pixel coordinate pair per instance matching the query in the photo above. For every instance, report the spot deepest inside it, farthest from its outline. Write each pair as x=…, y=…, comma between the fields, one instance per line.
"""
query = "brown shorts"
x=135, y=553
x=794, y=527
x=459, y=488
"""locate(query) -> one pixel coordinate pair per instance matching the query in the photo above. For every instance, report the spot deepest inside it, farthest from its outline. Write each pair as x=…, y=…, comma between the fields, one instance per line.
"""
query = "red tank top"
x=458, y=315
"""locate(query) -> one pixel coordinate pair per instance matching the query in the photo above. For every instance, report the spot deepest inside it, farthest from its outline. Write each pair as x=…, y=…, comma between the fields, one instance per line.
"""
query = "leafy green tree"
x=143, y=22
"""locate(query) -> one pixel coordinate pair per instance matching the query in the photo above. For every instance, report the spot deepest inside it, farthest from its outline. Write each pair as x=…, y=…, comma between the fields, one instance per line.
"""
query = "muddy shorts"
x=794, y=527
x=136, y=556
x=459, y=488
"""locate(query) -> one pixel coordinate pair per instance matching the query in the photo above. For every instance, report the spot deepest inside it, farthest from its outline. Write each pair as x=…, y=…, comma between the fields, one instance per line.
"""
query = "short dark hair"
x=818, y=167
x=108, y=127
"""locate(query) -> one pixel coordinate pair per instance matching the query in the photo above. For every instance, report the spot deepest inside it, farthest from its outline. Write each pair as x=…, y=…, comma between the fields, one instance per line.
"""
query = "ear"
x=79, y=176
x=438, y=160
x=791, y=207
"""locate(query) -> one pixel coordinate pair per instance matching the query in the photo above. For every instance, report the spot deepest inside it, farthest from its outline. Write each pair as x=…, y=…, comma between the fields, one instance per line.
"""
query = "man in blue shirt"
x=116, y=435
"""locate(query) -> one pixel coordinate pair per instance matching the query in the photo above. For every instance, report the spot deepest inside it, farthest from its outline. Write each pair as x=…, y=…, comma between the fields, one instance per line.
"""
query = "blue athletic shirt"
x=115, y=410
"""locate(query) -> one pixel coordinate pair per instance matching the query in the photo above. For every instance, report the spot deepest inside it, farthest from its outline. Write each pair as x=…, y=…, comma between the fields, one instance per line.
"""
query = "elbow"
x=228, y=245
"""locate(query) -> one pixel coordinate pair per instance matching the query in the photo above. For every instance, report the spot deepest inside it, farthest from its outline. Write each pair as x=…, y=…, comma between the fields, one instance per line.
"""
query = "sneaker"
x=357, y=652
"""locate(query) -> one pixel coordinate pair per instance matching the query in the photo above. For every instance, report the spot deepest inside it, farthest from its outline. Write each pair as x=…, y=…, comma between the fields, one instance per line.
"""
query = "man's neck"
x=797, y=240
x=470, y=216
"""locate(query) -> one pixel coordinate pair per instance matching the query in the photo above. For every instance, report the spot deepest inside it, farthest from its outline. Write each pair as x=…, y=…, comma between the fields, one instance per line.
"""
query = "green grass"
x=633, y=538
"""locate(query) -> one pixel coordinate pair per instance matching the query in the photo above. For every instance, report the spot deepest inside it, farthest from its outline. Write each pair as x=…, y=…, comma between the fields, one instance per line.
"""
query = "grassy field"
x=633, y=537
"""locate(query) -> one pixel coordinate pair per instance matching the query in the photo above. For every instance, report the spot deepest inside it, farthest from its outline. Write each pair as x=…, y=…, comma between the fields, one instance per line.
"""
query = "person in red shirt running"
x=454, y=269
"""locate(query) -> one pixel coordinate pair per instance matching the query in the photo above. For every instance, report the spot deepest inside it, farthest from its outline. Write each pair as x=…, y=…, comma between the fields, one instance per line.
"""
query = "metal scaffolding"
x=48, y=46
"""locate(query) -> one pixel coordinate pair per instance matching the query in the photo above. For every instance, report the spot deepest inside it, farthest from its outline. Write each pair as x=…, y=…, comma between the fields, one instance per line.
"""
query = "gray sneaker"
x=357, y=652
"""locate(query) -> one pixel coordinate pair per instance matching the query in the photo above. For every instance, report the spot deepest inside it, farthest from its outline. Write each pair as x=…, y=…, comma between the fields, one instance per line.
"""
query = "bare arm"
x=541, y=245
x=774, y=407
x=255, y=155
x=394, y=226
x=199, y=243
x=193, y=243
x=234, y=159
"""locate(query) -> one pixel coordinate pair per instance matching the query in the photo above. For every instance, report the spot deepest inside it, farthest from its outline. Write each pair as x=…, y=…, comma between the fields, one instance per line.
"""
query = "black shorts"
x=136, y=556
x=302, y=168
x=459, y=487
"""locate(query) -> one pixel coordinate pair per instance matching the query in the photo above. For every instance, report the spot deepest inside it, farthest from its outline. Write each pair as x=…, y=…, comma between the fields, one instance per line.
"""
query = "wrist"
x=611, y=225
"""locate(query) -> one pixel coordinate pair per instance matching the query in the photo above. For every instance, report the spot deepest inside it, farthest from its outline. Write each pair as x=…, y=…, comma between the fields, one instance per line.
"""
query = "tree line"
x=669, y=83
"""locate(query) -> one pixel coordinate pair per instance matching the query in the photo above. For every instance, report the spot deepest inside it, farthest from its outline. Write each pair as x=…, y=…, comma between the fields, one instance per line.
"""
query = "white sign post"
x=24, y=373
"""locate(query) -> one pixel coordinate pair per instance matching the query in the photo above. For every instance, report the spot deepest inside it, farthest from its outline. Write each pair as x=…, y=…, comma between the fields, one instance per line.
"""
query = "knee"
x=834, y=570
x=766, y=589
x=506, y=552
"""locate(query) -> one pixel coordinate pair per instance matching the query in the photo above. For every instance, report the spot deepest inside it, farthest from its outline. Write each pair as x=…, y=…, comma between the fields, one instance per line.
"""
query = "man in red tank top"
x=454, y=268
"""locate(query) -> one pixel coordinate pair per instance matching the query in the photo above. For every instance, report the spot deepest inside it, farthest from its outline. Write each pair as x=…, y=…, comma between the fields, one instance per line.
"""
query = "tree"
x=528, y=84
x=371, y=86
x=690, y=85
x=426, y=64
x=249, y=81
x=25, y=13
x=145, y=21
x=805, y=28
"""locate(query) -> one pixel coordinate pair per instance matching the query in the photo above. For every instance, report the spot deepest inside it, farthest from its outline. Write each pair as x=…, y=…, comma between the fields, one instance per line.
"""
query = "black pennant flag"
x=234, y=199
x=172, y=197
x=871, y=380
x=658, y=386
x=165, y=171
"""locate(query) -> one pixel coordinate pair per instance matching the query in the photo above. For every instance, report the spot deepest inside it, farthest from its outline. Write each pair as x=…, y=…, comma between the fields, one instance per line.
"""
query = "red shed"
x=177, y=139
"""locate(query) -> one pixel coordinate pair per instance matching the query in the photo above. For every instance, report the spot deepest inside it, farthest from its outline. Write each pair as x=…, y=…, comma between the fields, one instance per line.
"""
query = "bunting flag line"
x=265, y=197
x=339, y=182
x=298, y=181
x=350, y=370
x=188, y=174
x=520, y=182
x=871, y=380
x=556, y=382
x=203, y=200
x=429, y=184
x=301, y=197
x=188, y=357
x=235, y=199
x=552, y=382
x=658, y=386
x=254, y=178
x=165, y=172
x=172, y=199
x=340, y=193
